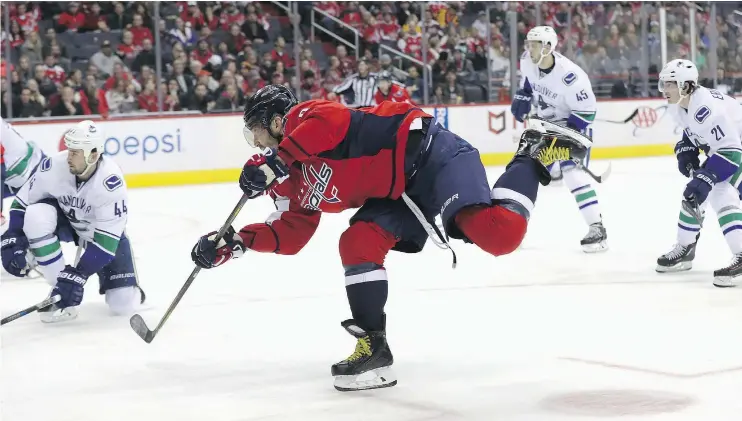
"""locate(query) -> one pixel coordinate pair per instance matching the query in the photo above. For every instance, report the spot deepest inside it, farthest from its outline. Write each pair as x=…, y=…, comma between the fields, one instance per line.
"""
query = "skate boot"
x=56, y=314
x=596, y=239
x=547, y=148
x=679, y=259
x=369, y=366
x=724, y=277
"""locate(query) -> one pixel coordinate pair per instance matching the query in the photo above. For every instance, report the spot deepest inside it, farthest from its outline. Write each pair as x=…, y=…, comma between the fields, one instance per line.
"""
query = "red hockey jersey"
x=338, y=159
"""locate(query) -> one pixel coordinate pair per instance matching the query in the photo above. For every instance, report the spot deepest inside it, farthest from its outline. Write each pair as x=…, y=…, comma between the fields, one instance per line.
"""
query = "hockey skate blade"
x=724, y=282
x=680, y=267
x=140, y=327
x=595, y=248
x=372, y=379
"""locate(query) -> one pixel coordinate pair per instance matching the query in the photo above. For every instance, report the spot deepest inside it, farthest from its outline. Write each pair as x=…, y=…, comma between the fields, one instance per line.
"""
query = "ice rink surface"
x=545, y=334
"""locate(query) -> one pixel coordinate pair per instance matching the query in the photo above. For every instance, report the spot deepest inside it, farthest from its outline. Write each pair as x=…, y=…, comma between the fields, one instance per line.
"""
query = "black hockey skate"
x=679, y=259
x=369, y=366
x=549, y=147
x=596, y=239
x=723, y=278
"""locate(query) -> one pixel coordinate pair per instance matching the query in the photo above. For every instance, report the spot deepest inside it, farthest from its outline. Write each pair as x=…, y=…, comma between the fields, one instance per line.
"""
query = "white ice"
x=545, y=334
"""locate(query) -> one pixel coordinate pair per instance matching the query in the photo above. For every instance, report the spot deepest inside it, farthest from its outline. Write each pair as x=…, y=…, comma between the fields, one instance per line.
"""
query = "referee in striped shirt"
x=362, y=84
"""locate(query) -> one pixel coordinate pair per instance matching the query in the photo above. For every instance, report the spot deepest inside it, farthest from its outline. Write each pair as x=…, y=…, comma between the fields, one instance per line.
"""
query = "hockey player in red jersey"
x=389, y=91
x=402, y=170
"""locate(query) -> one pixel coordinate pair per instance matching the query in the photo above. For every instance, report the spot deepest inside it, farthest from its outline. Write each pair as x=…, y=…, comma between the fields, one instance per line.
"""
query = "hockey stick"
x=42, y=305
x=46, y=303
x=137, y=322
x=600, y=178
x=692, y=208
x=624, y=121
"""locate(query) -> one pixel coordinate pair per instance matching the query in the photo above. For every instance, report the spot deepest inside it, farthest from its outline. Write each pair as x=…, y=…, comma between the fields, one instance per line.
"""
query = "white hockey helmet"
x=547, y=36
x=679, y=71
x=86, y=135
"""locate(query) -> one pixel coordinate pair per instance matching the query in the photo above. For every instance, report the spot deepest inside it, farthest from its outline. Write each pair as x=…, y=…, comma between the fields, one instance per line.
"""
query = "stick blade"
x=140, y=327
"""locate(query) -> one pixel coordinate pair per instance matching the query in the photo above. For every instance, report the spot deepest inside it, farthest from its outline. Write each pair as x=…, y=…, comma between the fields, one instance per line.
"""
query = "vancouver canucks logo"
x=569, y=78
x=113, y=182
x=702, y=114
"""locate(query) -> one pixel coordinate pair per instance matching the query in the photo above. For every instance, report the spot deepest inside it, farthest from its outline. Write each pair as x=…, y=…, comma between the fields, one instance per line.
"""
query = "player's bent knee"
x=495, y=229
x=123, y=301
x=40, y=220
x=365, y=242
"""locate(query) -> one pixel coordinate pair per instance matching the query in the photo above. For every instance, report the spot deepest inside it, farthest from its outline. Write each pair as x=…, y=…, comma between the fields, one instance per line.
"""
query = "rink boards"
x=176, y=150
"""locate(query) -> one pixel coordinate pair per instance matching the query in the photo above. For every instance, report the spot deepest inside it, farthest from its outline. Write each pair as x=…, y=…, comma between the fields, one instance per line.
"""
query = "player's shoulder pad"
x=701, y=114
x=113, y=182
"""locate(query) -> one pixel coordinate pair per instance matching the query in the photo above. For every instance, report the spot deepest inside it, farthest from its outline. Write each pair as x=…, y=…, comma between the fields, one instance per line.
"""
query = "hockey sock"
x=367, y=298
x=48, y=253
x=688, y=228
x=579, y=185
x=517, y=187
x=495, y=229
x=363, y=248
x=730, y=221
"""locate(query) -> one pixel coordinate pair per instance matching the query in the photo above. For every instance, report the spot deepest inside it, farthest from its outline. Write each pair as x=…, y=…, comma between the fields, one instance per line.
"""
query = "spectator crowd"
x=69, y=58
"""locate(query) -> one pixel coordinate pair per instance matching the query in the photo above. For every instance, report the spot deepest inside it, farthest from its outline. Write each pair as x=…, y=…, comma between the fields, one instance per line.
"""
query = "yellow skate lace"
x=552, y=154
x=363, y=349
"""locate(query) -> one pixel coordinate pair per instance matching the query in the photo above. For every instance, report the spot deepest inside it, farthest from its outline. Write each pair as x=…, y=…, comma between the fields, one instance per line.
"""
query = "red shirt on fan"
x=55, y=73
x=140, y=33
x=227, y=19
x=396, y=94
x=71, y=21
x=389, y=31
x=28, y=22
x=148, y=102
x=339, y=179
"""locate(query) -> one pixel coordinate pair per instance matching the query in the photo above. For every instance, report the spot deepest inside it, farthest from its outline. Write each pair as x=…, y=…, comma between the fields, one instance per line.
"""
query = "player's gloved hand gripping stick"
x=42, y=305
x=256, y=185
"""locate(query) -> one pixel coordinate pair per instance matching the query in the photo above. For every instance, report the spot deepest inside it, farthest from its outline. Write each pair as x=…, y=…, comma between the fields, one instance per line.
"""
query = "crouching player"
x=18, y=161
x=77, y=196
x=402, y=170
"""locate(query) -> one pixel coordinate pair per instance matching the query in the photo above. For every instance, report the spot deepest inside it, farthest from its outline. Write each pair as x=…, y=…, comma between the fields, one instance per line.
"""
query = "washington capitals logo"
x=318, y=183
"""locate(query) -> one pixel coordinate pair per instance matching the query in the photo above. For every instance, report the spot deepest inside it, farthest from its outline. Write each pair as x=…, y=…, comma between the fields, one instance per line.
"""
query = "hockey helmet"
x=87, y=136
x=266, y=103
x=680, y=71
x=545, y=35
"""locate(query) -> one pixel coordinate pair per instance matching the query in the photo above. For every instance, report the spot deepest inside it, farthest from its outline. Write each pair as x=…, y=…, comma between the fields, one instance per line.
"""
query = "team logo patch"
x=569, y=78
x=45, y=165
x=702, y=114
x=113, y=182
x=319, y=188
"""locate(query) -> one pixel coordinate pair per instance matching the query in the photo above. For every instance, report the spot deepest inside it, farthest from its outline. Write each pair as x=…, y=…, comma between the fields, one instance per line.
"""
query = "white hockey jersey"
x=96, y=208
x=20, y=157
x=713, y=122
x=712, y=119
x=561, y=95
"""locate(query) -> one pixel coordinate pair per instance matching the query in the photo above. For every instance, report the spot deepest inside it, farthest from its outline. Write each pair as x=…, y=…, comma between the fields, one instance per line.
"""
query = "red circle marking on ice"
x=645, y=117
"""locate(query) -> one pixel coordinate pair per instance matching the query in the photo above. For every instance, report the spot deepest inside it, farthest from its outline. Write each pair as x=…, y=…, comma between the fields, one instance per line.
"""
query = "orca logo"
x=46, y=165
x=702, y=114
x=113, y=182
